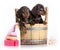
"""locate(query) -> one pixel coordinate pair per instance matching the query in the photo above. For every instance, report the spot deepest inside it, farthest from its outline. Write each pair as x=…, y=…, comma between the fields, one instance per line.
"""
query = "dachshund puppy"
x=24, y=16
x=37, y=11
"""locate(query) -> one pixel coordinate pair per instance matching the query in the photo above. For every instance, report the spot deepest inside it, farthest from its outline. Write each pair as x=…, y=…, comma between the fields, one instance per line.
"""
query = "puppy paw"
x=44, y=23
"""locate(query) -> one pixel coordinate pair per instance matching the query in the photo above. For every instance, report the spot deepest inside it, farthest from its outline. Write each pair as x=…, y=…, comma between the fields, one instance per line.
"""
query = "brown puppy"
x=24, y=17
x=37, y=11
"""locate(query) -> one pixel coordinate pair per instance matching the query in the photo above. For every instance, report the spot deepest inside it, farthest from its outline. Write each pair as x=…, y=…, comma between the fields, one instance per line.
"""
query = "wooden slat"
x=46, y=15
x=35, y=33
x=43, y=34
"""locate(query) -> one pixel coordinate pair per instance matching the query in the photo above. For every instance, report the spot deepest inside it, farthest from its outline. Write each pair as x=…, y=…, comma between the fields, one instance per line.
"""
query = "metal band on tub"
x=39, y=28
x=34, y=40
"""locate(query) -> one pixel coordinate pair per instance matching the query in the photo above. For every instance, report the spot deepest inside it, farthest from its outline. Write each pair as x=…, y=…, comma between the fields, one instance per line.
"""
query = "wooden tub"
x=36, y=34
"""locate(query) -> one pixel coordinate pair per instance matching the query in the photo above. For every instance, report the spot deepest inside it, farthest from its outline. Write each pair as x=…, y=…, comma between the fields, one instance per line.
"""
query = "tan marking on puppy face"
x=41, y=12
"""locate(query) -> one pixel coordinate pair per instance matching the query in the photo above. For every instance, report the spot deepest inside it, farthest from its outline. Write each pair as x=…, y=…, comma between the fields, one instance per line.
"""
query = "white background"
x=7, y=20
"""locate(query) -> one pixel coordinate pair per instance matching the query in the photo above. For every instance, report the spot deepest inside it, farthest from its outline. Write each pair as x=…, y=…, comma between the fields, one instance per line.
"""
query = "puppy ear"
x=34, y=11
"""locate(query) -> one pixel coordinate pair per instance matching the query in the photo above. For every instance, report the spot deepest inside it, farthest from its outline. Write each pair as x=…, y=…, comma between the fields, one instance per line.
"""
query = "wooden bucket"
x=36, y=34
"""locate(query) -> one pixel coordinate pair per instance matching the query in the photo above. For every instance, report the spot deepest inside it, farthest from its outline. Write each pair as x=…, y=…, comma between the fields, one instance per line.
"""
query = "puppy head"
x=24, y=12
x=38, y=10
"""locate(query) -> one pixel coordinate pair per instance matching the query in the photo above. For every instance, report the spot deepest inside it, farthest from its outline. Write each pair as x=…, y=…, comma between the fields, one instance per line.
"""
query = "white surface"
x=7, y=20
